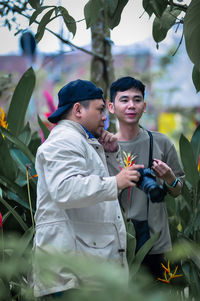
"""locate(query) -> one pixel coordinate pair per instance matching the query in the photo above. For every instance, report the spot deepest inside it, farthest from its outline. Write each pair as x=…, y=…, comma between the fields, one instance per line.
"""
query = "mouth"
x=131, y=115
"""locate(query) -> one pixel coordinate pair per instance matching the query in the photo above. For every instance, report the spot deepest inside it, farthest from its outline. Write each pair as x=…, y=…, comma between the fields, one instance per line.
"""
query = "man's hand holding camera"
x=128, y=177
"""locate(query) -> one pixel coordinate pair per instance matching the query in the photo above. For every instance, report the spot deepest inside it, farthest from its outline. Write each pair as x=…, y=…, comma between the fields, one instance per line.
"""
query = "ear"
x=111, y=108
x=77, y=110
x=145, y=107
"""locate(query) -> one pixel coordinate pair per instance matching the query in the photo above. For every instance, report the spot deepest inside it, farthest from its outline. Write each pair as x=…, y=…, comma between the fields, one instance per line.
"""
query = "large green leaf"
x=20, y=102
x=195, y=141
x=196, y=78
x=15, y=214
x=164, y=23
x=91, y=11
x=115, y=18
x=43, y=23
x=43, y=127
x=8, y=167
x=188, y=161
x=111, y=6
x=191, y=29
x=19, y=144
x=142, y=253
x=69, y=20
x=155, y=6
x=131, y=242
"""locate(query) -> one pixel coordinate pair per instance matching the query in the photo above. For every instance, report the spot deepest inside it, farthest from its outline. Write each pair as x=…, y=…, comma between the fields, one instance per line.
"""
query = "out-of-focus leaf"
x=112, y=6
x=34, y=3
x=69, y=20
x=14, y=197
x=8, y=167
x=195, y=141
x=114, y=20
x=25, y=135
x=131, y=242
x=164, y=23
x=20, y=102
x=196, y=78
x=37, y=12
x=155, y=6
x=191, y=30
x=171, y=205
x=188, y=161
x=91, y=11
x=142, y=253
x=187, y=194
x=43, y=127
x=35, y=143
x=19, y=144
x=43, y=23
x=15, y=214
x=26, y=239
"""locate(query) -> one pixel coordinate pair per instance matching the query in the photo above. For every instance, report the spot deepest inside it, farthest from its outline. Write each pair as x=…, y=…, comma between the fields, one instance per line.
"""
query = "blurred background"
x=173, y=106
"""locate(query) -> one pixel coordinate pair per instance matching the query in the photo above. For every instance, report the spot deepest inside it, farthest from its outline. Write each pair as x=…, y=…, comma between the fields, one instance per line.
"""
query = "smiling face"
x=93, y=117
x=128, y=106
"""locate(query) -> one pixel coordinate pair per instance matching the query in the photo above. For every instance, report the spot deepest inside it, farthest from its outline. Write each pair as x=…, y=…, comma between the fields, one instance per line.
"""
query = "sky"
x=132, y=28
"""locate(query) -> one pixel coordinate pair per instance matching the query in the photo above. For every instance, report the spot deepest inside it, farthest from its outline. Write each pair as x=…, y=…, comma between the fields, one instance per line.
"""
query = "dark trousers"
x=153, y=265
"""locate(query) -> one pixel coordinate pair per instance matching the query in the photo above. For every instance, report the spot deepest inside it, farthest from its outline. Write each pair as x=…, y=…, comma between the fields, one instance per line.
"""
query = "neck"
x=127, y=132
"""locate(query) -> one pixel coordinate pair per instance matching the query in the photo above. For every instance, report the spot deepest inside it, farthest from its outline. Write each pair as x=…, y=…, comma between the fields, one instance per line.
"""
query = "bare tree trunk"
x=102, y=70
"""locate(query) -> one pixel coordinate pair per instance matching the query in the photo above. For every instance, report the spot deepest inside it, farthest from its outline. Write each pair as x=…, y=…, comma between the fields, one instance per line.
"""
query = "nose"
x=131, y=103
x=104, y=117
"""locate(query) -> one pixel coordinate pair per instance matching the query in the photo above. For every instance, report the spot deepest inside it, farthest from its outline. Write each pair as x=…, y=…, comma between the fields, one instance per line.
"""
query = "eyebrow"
x=126, y=96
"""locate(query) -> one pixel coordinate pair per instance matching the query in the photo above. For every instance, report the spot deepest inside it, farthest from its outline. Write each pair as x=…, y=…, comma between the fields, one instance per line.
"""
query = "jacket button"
x=97, y=147
x=118, y=216
x=94, y=243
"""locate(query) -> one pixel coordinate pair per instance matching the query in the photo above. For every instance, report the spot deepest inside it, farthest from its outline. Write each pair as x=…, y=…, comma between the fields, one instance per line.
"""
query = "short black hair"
x=125, y=83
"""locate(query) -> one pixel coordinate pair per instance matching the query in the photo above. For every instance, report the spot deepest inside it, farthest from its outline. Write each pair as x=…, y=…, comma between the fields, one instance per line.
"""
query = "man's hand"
x=163, y=171
x=109, y=142
x=128, y=177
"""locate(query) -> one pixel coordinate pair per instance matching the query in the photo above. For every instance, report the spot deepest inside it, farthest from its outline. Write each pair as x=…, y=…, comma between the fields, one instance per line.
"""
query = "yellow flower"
x=3, y=121
x=167, y=272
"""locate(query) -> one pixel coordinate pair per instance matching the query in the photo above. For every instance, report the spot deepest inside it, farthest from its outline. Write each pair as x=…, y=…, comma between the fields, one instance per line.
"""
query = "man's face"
x=128, y=106
x=93, y=118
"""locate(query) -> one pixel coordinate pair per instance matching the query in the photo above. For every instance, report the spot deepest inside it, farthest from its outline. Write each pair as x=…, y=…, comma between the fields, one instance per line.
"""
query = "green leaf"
x=43, y=127
x=142, y=253
x=25, y=135
x=20, y=102
x=188, y=161
x=37, y=12
x=35, y=143
x=164, y=23
x=8, y=167
x=91, y=11
x=111, y=6
x=131, y=242
x=26, y=239
x=155, y=6
x=19, y=191
x=69, y=20
x=195, y=141
x=15, y=214
x=196, y=78
x=34, y=3
x=116, y=17
x=148, y=7
x=187, y=194
x=19, y=144
x=43, y=23
x=191, y=30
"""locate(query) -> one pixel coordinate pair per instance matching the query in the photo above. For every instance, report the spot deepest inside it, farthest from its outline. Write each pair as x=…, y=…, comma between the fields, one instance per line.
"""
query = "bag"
x=142, y=232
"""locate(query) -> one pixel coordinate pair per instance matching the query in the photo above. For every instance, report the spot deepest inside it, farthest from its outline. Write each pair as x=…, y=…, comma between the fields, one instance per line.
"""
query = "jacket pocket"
x=101, y=245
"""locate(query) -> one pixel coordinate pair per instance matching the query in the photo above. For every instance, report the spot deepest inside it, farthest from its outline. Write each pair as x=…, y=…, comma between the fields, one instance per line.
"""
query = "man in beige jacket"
x=77, y=205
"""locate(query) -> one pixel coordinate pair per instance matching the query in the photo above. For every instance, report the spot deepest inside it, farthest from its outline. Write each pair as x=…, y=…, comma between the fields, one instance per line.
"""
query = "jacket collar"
x=80, y=128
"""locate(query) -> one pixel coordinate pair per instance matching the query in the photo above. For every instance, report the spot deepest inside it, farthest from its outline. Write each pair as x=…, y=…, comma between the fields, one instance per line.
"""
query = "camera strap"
x=150, y=161
x=150, y=149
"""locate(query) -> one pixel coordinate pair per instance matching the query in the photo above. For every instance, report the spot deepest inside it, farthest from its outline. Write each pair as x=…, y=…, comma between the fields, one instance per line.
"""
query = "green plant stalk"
x=29, y=198
x=2, y=245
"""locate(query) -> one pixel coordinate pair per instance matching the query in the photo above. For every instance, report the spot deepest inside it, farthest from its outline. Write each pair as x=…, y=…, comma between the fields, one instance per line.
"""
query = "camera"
x=148, y=184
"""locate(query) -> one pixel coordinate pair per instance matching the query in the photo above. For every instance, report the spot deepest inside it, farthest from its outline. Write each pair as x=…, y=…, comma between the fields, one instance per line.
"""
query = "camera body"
x=148, y=184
